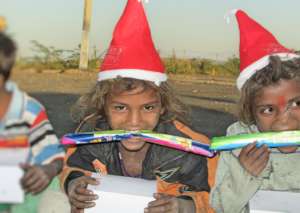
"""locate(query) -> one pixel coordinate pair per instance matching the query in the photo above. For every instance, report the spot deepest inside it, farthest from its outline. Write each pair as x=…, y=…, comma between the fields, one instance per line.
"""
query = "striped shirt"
x=27, y=117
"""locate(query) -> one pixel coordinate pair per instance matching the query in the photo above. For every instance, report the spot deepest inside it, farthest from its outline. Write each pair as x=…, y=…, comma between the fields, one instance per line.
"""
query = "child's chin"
x=133, y=146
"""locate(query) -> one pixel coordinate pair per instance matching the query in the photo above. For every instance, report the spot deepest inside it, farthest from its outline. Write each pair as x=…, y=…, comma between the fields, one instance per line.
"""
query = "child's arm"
x=37, y=178
x=236, y=181
x=80, y=162
x=234, y=186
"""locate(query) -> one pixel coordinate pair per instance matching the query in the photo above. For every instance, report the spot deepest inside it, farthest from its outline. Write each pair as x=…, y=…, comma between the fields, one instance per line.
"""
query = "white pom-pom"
x=146, y=1
x=229, y=15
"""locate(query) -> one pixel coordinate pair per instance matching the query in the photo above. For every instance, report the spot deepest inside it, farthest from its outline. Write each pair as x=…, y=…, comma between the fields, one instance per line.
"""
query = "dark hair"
x=90, y=107
x=7, y=55
x=269, y=75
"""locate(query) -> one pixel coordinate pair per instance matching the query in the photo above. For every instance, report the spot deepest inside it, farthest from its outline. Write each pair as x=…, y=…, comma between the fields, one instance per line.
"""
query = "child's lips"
x=134, y=140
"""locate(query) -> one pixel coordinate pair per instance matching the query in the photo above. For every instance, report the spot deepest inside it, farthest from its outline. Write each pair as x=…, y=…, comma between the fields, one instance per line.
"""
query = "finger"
x=81, y=194
x=27, y=176
x=25, y=166
x=39, y=185
x=256, y=158
x=261, y=162
x=248, y=148
x=91, y=181
x=161, y=208
x=30, y=181
x=158, y=202
x=86, y=198
x=256, y=153
x=81, y=205
x=75, y=210
x=160, y=195
x=243, y=156
x=83, y=191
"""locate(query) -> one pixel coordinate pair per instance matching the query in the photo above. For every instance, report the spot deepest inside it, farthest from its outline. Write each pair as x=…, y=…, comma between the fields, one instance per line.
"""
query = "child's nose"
x=134, y=120
x=285, y=121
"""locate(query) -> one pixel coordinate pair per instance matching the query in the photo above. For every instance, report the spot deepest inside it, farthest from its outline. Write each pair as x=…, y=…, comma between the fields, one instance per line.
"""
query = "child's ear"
x=2, y=81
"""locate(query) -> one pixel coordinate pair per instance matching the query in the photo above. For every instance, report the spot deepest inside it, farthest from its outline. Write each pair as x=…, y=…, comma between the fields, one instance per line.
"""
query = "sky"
x=190, y=28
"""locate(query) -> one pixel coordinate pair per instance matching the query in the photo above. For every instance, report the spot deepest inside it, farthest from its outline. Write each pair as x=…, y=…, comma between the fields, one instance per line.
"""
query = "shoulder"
x=32, y=105
x=238, y=128
x=34, y=111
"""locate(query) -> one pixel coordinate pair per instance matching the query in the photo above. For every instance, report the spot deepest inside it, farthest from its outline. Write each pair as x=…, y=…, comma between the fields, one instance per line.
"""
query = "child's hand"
x=167, y=203
x=288, y=149
x=254, y=159
x=35, y=179
x=79, y=196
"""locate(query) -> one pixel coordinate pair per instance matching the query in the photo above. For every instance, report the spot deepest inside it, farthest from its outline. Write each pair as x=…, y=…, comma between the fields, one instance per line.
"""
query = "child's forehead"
x=143, y=92
x=132, y=86
x=279, y=92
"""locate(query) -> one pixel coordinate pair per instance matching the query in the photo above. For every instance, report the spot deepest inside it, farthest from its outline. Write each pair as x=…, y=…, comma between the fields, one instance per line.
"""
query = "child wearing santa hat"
x=269, y=83
x=132, y=93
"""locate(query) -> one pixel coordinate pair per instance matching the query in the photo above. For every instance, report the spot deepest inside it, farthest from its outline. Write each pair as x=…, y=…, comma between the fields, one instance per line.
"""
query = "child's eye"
x=267, y=110
x=120, y=108
x=149, y=107
x=295, y=103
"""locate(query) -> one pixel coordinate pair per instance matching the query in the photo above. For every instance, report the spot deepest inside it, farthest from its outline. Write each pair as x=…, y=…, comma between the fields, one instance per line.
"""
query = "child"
x=20, y=114
x=270, y=101
x=132, y=94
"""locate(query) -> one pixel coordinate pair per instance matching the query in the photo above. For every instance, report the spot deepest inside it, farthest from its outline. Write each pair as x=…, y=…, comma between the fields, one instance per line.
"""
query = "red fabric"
x=132, y=46
x=41, y=116
x=255, y=41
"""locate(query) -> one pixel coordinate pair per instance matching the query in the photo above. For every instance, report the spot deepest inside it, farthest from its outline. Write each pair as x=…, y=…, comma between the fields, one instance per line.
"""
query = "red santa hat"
x=257, y=44
x=132, y=53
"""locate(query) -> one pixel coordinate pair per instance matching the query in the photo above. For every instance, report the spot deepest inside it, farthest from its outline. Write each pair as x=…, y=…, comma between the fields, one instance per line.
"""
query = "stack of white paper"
x=122, y=194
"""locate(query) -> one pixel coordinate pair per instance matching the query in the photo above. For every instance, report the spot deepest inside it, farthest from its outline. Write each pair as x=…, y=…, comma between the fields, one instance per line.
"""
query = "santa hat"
x=256, y=46
x=132, y=53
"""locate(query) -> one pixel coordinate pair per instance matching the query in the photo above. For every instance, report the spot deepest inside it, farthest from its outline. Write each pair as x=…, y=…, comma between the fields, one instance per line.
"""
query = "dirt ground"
x=203, y=91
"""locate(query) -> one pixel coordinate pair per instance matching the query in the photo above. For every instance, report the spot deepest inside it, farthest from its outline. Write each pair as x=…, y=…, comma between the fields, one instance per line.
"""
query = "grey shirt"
x=235, y=186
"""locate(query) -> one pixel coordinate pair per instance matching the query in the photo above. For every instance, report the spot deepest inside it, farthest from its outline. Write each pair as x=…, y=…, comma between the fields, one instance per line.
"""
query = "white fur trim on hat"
x=261, y=63
x=147, y=75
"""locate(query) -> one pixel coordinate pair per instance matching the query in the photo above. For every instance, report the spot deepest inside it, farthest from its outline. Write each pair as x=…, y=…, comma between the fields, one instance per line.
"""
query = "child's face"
x=137, y=109
x=277, y=107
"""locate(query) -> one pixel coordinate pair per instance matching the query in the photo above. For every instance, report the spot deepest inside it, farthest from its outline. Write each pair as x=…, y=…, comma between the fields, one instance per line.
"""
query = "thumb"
x=91, y=181
x=25, y=166
x=158, y=195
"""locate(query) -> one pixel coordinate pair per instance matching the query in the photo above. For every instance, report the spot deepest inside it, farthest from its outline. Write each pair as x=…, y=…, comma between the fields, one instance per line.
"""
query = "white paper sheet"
x=11, y=174
x=122, y=194
x=275, y=202
x=10, y=187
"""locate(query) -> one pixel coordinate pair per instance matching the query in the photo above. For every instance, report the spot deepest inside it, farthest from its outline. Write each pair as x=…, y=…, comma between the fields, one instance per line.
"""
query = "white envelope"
x=275, y=202
x=122, y=194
